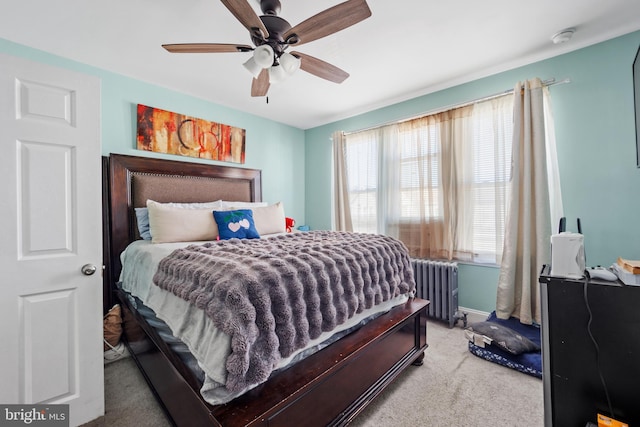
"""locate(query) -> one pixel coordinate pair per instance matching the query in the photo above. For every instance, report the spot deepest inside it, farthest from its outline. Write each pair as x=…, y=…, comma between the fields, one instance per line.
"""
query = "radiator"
x=437, y=281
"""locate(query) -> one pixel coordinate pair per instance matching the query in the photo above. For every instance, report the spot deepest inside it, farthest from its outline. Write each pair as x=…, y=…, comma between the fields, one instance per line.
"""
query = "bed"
x=328, y=387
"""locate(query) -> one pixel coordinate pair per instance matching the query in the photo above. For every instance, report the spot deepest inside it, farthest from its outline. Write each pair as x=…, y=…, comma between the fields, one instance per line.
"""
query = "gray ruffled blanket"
x=273, y=295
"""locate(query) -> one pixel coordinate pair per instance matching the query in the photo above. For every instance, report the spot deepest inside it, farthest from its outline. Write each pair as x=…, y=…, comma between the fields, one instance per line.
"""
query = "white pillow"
x=269, y=219
x=142, y=214
x=203, y=205
x=242, y=205
x=179, y=224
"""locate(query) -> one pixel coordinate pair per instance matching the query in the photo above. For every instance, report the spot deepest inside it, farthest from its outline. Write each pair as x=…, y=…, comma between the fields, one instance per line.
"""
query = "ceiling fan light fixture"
x=253, y=67
x=277, y=74
x=272, y=35
x=289, y=63
x=263, y=56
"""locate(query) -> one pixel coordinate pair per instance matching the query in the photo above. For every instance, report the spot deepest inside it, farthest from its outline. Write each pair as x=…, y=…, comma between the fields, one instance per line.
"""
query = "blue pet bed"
x=521, y=353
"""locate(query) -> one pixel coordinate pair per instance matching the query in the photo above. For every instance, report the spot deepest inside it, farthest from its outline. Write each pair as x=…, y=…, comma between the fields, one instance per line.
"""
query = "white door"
x=50, y=226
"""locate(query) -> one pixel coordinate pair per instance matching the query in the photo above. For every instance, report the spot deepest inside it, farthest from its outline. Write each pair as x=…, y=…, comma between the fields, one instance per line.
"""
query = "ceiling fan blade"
x=330, y=21
x=319, y=68
x=244, y=13
x=260, y=85
x=206, y=47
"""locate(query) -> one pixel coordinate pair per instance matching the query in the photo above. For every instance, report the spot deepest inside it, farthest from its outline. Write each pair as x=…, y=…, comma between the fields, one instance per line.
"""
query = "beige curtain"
x=438, y=182
x=441, y=146
x=342, y=212
x=528, y=224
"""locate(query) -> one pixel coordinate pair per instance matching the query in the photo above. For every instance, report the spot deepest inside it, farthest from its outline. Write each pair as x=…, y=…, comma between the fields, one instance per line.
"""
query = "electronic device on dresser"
x=590, y=350
x=567, y=252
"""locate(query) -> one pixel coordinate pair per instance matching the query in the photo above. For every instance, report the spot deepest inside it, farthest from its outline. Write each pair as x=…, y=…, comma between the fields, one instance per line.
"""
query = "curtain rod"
x=548, y=82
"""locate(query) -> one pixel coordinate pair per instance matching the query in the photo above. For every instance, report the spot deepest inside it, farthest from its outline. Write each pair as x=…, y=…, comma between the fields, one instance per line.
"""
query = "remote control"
x=601, y=273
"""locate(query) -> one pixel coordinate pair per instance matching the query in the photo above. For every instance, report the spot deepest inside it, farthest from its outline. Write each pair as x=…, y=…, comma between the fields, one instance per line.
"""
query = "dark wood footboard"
x=328, y=388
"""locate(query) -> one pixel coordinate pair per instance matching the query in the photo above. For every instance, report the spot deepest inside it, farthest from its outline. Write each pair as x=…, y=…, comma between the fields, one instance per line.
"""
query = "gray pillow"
x=505, y=338
x=142, y=215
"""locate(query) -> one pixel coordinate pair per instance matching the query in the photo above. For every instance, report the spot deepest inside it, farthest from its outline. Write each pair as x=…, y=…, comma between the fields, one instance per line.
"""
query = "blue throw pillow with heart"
x=237, y=224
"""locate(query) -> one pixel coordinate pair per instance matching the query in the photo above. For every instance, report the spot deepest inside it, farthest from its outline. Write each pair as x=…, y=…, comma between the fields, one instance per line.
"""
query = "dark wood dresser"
x=573, y=364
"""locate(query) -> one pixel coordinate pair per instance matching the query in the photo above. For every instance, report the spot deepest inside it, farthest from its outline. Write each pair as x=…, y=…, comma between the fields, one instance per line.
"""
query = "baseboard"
x=474, y=315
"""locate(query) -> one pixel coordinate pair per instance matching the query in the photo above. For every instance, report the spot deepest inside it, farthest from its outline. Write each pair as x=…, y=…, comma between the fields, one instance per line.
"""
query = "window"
x=362, y=164
x=439, y=182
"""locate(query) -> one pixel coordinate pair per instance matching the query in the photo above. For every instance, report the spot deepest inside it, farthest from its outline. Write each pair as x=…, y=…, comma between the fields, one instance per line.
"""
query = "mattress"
x=209, y=346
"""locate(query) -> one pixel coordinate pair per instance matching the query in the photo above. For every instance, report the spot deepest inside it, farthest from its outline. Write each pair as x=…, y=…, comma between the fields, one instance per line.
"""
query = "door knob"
x=88, y=269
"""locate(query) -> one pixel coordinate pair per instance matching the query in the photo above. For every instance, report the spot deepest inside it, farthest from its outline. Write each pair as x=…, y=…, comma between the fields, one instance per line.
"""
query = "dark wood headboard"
x=128, y=181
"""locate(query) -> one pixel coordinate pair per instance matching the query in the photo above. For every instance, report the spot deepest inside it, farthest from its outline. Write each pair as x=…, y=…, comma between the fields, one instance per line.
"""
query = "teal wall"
x=595, y=129
x=595, y=132
x=277, y=149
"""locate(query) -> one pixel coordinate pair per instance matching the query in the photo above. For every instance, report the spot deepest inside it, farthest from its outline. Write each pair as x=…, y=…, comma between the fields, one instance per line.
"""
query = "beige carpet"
x=457, y=388
x=128, y=400
x=452, y=388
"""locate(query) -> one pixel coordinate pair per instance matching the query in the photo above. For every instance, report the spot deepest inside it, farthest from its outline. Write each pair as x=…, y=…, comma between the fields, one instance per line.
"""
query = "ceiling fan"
x=272, y=36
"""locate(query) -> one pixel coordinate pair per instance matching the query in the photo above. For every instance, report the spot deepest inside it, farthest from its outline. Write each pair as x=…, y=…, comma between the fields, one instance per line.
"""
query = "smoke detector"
x=563, y=36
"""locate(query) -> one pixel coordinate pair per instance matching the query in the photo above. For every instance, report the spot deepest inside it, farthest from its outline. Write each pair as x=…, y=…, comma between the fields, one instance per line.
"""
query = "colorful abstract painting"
x=166, y=132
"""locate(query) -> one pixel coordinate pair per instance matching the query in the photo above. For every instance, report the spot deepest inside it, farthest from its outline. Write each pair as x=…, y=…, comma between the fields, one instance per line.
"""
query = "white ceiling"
x=405, y=49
